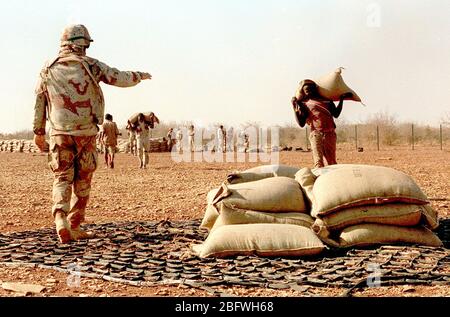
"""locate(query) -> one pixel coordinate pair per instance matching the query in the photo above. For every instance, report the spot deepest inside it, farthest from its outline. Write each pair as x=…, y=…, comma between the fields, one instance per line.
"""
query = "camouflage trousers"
x=323, y=144
x=73, y=160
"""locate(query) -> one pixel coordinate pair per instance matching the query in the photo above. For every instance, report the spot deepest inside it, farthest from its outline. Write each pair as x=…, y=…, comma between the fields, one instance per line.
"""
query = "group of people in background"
x=176, y=138
x=224, y=140
x=310, y=108
x=139, y=140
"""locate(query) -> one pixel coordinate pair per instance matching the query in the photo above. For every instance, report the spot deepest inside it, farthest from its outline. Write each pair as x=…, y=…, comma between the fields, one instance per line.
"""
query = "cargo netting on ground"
x=158, y=253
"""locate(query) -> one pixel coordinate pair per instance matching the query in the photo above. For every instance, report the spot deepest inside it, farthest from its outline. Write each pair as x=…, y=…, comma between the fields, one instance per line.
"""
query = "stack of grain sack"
x=156, y=145
x=26, y=146
x=360, y=205
x=279, y=210
x=260, y=211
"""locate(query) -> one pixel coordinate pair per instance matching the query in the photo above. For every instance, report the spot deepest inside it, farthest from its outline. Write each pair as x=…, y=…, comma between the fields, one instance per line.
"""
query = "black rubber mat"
x=158, y=253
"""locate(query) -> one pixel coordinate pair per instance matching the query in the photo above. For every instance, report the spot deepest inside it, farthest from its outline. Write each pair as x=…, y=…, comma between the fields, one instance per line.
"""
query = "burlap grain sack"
x=373, y=234
x=306, y=178
x=233, y=216
x=148, y=118
x=404, y=215
x=429, y=217
x=363, y=185
x=276, y=194
x=332, y=86
x=262, y=172
x=211, y=212
x=329, y=168
x=260, y=239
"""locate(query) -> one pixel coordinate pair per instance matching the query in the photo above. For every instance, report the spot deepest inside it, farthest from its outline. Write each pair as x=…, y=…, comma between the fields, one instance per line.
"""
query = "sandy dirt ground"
x=177, y=191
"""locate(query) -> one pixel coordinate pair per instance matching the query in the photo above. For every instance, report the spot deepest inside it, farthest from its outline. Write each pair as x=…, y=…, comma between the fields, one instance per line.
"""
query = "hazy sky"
x=234, y=61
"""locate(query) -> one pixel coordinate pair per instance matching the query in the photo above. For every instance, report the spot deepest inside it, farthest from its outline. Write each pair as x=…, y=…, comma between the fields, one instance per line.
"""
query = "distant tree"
x=446, y=119
x=388, y=126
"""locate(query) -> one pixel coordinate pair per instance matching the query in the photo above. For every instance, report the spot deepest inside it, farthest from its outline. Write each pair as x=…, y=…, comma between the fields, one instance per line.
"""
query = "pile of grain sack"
x=22, y=146
x=28, y=146
x=156, y=145
x=278, y=210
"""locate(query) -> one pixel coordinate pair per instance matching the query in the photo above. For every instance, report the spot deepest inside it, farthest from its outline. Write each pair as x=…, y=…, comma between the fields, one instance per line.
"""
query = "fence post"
x=412, y=136
x=440, y=135
x=356, y=137
x=378, y=138
x=306, y=138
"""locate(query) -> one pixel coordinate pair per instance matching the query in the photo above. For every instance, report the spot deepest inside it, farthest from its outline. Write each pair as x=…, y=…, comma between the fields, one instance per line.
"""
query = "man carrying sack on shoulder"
x=319, y=113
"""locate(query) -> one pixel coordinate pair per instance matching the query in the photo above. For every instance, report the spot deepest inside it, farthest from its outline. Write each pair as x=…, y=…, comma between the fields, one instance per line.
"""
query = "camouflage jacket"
x=68, y=94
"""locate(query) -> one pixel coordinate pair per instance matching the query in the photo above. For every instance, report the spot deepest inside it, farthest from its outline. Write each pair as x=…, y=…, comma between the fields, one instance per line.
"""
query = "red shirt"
x=320, y=117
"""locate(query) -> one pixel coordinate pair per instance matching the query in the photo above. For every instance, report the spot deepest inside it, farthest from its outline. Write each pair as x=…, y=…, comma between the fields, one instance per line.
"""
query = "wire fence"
x=360, y=137
x=356, y=137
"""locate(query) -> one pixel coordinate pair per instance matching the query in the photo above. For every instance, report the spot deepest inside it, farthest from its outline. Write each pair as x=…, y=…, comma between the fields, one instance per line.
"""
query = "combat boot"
x=79, y=234
x=76, y=232
x=62, y=227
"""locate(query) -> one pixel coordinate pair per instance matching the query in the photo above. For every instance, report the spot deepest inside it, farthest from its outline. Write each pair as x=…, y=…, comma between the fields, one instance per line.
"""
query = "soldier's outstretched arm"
x=115, y=77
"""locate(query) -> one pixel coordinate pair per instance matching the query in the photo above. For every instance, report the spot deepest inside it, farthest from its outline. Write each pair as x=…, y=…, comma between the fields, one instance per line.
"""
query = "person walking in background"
x=221, y=139
x=243, y=142
x=191, y=134
x=319, y=113
x=69, y=95
x=109, y=138
x=131, y=138
x=171, y=139
x=143, y=141
x=229, y=139
x=246, y=142
x=179, y=136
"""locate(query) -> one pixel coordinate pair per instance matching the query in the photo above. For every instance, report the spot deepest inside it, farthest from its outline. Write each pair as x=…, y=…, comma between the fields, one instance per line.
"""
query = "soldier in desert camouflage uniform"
x=68, y=94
